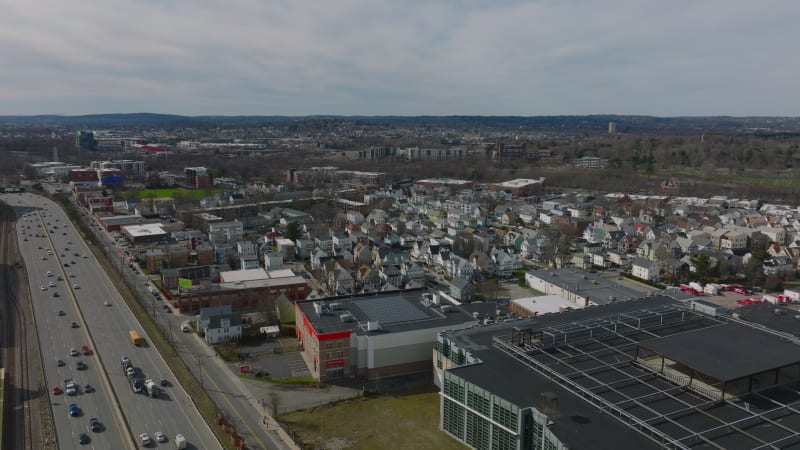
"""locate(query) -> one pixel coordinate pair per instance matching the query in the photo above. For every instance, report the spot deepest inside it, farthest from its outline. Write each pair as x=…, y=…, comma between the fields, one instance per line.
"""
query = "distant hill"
x=562, y=124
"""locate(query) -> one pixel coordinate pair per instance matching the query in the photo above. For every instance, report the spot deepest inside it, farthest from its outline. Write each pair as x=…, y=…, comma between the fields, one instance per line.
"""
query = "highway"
x=56, y=338
x=105, y=330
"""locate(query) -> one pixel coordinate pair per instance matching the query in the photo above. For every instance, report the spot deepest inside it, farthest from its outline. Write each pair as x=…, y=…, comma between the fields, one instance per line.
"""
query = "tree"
x=759, y=244
x=292, y=231
x=702, y=267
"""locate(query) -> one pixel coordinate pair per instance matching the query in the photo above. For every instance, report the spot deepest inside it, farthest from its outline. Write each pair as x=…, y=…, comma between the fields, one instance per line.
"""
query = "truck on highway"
x=70, y=387
x=180, y=442
x=152, y=388
x=133, y=335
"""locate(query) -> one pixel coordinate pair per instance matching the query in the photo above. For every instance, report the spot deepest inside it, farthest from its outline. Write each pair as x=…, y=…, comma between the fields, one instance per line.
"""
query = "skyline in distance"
x=527, y=58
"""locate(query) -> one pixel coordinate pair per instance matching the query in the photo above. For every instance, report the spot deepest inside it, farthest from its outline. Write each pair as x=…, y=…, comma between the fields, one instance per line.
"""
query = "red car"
x=56, y=390
x=85, y=350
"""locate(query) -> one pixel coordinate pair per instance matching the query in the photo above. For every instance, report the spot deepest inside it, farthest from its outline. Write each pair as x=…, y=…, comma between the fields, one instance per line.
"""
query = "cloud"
x=299, y=57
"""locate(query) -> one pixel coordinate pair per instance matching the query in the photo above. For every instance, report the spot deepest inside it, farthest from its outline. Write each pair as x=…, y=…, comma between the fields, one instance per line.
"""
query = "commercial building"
x=248, y=295
x=197, y=178
x=649, y=373
x=144, y=233
x=374, y=336
x=125, y=166
x=580, y=287
x=521, y=187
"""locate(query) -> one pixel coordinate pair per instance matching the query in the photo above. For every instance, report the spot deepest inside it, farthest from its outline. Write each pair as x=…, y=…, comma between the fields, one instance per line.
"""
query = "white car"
x=75, y=286
x=161, y=437
x=51, y=284
x=73, y=352
x=49, y=273
x=71, y=275
x=145, y=439
x=43, y=287
x=107, y=303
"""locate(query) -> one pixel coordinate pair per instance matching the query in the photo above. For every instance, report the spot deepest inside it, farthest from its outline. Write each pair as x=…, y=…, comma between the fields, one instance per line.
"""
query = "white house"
x=223, y=328
x=645, y=269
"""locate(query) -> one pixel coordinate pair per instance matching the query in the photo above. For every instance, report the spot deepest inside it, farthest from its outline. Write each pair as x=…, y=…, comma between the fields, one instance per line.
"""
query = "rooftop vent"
x=335, y=306
x=446, y=308
x=347, y=317
x=373, y=325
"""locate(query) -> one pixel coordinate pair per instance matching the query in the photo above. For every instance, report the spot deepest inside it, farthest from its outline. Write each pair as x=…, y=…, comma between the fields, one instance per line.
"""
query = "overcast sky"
x=404, y=57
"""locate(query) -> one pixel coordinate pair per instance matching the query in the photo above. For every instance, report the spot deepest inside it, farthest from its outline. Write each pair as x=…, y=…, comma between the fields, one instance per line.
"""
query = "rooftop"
x=397, y=311
x=146, y=229
x=593, y=357
x=598, y=289
x=519, y=182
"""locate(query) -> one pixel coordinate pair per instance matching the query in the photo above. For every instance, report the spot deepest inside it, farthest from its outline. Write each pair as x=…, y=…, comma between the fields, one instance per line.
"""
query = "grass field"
x=409, y=421
x=195, y=194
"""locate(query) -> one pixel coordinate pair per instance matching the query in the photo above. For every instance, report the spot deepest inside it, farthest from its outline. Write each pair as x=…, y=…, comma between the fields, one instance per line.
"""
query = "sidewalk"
x=234, y=387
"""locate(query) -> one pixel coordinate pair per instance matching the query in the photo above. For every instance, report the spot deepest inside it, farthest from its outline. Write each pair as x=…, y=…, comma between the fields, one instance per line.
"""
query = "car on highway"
x=61, y=312
x=74, y=325
x=43, y=287
x=86, y=350
x=49, y=273
x=76, y=286
x=57, y=390
x=84, y=438
x=80, y=365
x=44, y=258
x=60, y=363
x=88, y=388
x=145, y=438
x=95, y=425
x=160, y=437
x=107, y=303
x=74, y=410
x=51, y=284
x=56, y=294
x=73, y=352
x=71, y=275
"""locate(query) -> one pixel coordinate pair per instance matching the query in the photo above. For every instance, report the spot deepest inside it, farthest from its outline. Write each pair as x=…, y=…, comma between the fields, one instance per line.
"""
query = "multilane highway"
x=87, y=296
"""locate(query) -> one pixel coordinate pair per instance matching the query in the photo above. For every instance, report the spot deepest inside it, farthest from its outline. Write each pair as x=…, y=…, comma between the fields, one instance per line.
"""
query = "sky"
x=402, y=57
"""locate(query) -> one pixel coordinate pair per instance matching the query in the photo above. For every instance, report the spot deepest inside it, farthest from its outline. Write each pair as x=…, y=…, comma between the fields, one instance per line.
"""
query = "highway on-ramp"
x=104, y=322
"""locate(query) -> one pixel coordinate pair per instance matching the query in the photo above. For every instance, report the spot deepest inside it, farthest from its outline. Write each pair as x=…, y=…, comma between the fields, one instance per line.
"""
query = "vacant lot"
x=409, y=421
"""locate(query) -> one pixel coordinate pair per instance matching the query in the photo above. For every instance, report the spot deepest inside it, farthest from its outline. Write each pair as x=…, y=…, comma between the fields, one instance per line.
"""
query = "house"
x=645, y=269
x=779, y=265
x=204, y=318
x=391, y=274
x=341, y=282
x=462, y=290
x=223, y=328
x=459, y=267
x=412, y=271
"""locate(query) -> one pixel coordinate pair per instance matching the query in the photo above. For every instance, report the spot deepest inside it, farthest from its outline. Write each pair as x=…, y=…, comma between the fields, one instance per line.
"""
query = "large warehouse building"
x=374, y=336
x=645, y=374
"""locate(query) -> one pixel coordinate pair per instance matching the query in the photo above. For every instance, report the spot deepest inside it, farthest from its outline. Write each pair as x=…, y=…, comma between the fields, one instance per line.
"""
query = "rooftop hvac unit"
x=335, y=306
x=373, y=325
x=346, y=317
x=446, y=308
x=318, y=307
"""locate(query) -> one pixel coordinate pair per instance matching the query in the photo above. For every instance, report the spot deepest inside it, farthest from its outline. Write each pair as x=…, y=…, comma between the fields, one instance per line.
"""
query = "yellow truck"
x=134, y=337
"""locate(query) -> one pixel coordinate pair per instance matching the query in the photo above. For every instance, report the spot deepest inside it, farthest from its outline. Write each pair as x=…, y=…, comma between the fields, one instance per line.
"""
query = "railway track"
x=21, y=388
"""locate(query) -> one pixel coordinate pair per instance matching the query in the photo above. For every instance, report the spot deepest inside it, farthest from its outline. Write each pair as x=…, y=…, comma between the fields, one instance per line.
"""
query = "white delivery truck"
x=180, y=442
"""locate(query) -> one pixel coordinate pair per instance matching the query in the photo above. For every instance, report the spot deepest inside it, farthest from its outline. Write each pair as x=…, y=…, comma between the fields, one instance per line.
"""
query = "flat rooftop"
x=395, y=312
x=599, y=289
x=726, y=352
x=519, y=182
x=145, y=229
x=593, y=357
x=545, y=304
